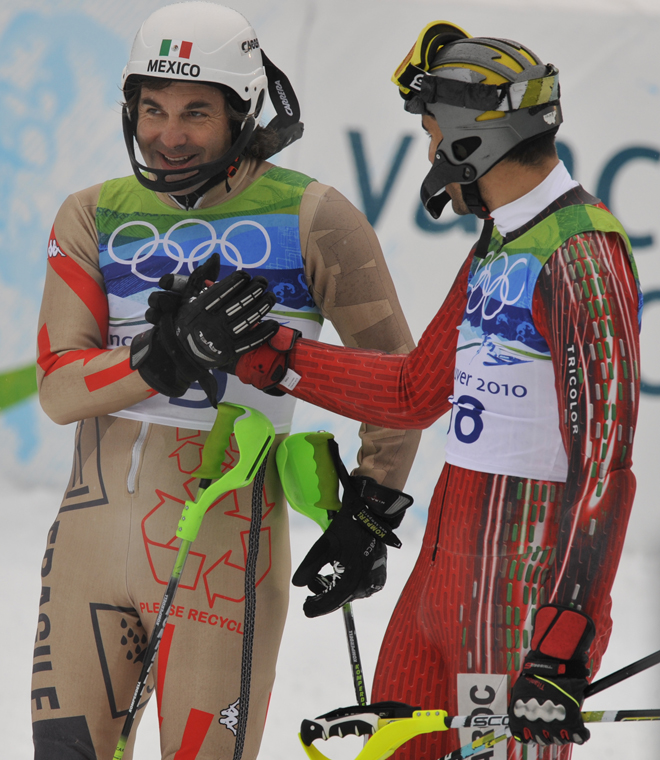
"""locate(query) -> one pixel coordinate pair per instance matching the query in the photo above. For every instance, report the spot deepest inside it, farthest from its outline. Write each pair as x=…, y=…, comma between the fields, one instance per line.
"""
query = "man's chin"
x=178, y=178
x=458, y=205
x=459, y=208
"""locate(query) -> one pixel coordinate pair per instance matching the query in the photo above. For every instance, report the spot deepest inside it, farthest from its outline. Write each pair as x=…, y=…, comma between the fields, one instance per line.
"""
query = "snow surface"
x=313, y=670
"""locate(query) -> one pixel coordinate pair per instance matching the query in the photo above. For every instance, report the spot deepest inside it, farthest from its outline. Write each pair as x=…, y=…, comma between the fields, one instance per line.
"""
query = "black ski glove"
x=201, y=325
x=354, y=543
x=546, y=699
x=149, y=353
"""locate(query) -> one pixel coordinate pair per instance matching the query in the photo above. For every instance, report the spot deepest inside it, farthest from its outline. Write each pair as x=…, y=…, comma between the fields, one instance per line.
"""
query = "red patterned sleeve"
x=396, y=391
x=585, y=306
x=78, y=376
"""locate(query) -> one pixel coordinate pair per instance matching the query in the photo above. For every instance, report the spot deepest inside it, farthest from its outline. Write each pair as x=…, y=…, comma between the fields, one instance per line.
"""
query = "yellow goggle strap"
x=533, y=92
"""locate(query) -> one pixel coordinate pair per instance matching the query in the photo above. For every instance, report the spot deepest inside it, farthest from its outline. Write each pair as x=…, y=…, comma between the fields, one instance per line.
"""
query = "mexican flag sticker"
x=175, y=48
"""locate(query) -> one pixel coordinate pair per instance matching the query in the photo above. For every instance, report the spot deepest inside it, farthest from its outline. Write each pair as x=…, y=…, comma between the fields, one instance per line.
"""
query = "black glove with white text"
x=200, y=325
x=354, y=544
x=547, y=697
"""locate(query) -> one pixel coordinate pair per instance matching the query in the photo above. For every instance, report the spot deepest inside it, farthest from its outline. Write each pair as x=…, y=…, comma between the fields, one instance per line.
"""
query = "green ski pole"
x=310, y=484
x=254, y=435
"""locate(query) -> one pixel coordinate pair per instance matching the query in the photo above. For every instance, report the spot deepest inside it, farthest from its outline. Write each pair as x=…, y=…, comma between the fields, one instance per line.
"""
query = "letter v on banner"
x=373, y=201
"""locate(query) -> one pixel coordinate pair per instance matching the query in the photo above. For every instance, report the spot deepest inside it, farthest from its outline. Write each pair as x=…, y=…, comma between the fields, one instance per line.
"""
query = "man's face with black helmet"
x=432, y=129
x=184, y=124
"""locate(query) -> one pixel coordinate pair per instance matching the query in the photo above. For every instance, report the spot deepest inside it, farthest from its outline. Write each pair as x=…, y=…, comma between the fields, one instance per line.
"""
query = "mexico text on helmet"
x=213, y=44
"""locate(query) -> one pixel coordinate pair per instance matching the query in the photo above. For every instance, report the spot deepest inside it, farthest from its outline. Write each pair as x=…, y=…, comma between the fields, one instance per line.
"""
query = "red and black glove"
x=547, y=697
x=266, y=366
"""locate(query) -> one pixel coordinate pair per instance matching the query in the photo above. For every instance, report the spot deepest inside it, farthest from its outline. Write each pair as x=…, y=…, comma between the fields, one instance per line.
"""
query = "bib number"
x=468, y=424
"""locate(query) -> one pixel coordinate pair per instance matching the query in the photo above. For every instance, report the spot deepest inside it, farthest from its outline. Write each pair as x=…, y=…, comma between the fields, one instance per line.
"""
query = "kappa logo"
x=230, y=717
x=247, y=46
x=175, y=251
x=54, y=249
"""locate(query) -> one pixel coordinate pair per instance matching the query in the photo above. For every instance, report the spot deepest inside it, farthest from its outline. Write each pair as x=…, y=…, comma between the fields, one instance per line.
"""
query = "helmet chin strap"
x=286, y=124
x=201, y=173
x=443, y=173
x=476, y=204
x=435, y=197
x=190, y=200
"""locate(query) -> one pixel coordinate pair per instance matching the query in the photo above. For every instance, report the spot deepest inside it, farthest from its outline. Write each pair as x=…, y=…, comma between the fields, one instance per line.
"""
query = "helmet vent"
x=464, y=148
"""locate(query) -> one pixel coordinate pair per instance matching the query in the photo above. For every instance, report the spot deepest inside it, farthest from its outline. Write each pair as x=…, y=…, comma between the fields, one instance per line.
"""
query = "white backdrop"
x=60, y=67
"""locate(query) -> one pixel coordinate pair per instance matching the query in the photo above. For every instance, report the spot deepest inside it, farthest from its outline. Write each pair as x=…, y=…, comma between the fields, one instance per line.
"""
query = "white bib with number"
x=505, y=414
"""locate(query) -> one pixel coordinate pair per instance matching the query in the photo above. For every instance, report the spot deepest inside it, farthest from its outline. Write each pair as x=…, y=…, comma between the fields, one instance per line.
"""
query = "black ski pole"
x=354, y=654
x=249, y=617
x=621, y=675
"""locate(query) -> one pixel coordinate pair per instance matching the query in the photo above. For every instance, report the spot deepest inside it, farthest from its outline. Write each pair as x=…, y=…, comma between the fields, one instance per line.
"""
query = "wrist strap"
x=534, y=666
x=362, y=514
x=282, y=342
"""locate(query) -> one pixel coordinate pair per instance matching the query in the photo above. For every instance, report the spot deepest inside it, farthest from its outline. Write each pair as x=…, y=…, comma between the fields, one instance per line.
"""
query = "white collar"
x=513, y=215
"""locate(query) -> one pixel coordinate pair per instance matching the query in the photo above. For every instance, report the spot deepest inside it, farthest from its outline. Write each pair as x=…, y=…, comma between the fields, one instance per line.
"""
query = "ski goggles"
x=432, y=37
x=417, y=87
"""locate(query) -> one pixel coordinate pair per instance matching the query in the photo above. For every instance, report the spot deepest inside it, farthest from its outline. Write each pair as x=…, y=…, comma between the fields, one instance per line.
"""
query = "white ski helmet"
x=210, y=44
x=213, y=44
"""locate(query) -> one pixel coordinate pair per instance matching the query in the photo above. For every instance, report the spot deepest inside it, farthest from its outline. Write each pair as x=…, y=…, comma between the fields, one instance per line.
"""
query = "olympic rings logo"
x=175, y=251
x=491, y=284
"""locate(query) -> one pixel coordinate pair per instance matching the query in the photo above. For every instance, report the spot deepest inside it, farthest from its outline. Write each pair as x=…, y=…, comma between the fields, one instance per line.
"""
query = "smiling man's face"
x=185, y=124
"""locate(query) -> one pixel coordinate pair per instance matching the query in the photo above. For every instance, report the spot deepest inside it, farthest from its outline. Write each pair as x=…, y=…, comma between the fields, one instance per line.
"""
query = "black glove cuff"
x=374, y=507
x=149, y=358
x=388, y=504
x=185, y=366
x=368, y=521
x=272, y=391
x=141, y=347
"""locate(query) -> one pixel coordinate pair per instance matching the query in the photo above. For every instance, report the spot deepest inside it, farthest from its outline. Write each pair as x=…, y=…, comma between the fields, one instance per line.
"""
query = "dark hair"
x=534, y=152
x=264, y=142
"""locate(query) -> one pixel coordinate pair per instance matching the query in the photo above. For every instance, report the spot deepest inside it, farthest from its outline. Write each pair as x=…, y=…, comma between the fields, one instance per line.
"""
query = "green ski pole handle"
x=308, y=475
x=311, y=486
x=254, y=435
